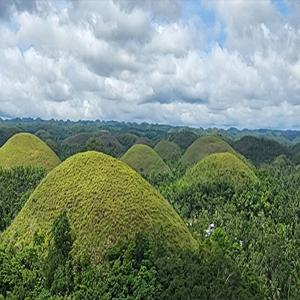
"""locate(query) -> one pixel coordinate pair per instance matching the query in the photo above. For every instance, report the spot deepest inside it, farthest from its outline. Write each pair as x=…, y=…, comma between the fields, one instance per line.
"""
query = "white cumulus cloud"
x=230, y=63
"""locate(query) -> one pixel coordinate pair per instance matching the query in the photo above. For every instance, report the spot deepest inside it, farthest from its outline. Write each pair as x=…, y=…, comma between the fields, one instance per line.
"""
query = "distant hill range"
x=66, y=138
x=151, y=131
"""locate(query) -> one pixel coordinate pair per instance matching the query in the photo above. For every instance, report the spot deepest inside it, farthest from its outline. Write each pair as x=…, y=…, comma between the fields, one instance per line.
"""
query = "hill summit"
x=168, y=151
x=221, y=167
x=145, y=160
x=105, y=200
x=202, y=147
x=25, y=149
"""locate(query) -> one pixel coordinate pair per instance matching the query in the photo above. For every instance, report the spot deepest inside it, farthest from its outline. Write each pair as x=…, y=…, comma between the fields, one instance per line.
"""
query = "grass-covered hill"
x=145, y=141
x=25, y=149
x=127, y=139
x=202, y=147
x=168, y=151
x=183, y=138
x=295, y=153
x=105, y=200
x=111, y=144
x=79, y=139
x=260, y=150
x=43, y=135
x=145, y=160
x=102, y=141
x=221, y=168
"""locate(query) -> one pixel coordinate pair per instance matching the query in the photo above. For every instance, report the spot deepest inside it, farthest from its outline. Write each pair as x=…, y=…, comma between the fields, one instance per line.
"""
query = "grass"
x=145, y=160
x=221, y=167
x=169, y=152
x=260, y=150
x=183, y=138
x=127, y=139
x=78, y=139
x=202, y=147
x=105, y=201
x=110, y=143
x=25, y=149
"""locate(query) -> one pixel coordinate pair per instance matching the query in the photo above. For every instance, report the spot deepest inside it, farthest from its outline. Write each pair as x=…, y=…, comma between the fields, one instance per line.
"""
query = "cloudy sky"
x=193, y=62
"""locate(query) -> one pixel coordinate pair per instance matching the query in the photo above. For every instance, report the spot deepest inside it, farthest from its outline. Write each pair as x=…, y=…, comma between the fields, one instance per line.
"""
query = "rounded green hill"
x=221, y=167
x=260, y=150
x=183, y=138
x=105, y=200
x=25, y=149
x=169, y=152
x=145, y=160
x=127, y=139
x=78, y=139
x=202, y=147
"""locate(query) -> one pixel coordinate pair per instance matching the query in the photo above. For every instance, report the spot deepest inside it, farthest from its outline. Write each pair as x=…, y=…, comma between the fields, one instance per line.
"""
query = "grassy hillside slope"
x=168, y=151
x=105, y=201
x=145, y=160
x=202, y=147
x=183, y=138
x=25, y=149
x=221, y=167
x=260, y=150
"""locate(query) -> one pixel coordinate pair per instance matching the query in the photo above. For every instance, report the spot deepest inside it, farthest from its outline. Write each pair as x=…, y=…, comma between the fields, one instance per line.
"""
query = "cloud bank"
x=200, y=63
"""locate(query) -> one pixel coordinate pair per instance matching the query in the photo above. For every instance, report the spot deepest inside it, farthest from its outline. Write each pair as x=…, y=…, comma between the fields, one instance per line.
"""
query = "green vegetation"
x=127, y=139
x=110, y=145
x=295, y=154
x=101, y=141
x=220, y=173
x=145, y=160
x=16, y=185
x=259, y=150
x=77, y=139
x=169, y=152
x=142, y=268
x=95, y=229
x=202, y=147
x=43, y=135
x=183, y=138
x=24, y=149
x=7, y=132
x=144, y=141
x=257, y=225
x=221, y=167
x=105, y=200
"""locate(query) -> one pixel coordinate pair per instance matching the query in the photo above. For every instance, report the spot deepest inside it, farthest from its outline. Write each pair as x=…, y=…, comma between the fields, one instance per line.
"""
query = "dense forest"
x=109, y=210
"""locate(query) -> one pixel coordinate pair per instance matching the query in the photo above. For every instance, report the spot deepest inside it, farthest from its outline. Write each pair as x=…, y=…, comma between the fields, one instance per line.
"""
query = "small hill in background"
x=169, y=152
x=106, y=202
x=145, y=141
x=78, y=139
x=43, y=135
x=102, y=141
x=127, y=139
x=221, y=167
x=183, y=138
x=25, y=149
x=145, y=160
x=110, y=145
x=260, y=150
x=202, y=147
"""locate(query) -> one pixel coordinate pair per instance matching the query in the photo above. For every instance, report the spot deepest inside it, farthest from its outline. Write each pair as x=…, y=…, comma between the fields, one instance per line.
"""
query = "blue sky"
x=282, y=6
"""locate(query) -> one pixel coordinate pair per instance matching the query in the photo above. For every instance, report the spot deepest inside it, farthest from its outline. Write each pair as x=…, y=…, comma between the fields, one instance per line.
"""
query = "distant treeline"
x=115, y=138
